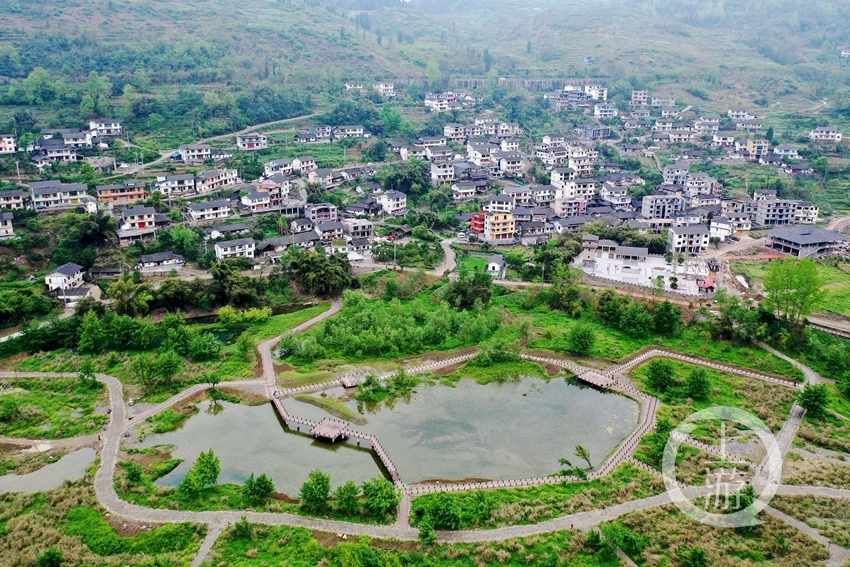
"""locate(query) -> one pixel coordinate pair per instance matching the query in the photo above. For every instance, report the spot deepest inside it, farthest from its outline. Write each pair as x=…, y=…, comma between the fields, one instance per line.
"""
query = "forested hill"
x=785, y=31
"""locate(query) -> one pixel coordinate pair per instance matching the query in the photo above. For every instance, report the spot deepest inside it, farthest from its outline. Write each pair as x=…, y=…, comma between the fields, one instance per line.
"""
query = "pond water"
x=70, y=467
x=498, y=431
x=251, y=439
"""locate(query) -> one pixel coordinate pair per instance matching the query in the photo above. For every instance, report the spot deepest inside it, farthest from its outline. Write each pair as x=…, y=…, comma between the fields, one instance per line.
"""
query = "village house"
x=301, y=225
x=310, y=136
x=281, y=166
x=105, y=127
x=358, y=228
x=845, y=52
x=499, y=227
x=54, y=194
x=209, y=210
x=72, y=136
x=52, y=150
x=552, y=156
x=690, y=239
x=160, y=261
x=12, y=199
x=605, y=111
x=173, y=185
x=239, y=248
x=6, y=229
x=256, y=202
x=786, y=151
x=805, y=241
x=330, y=230
x=393, y=202
x=137, y=217
x=442, y=173
x=322, y=177
x=739, y=113
x=670, y=112
x=663, y=205
x=438, y=153
x=122, y=193
x=353, y=86
x=510, y=163
x=252, y=142
x=828, y=134
x=66, y=276
x=464, y=191
x=385, y=89
x=498, y=203
x=321, y=212
x=639, y=98
x=755, y=148
x=662, y=100
x=218, y=231
x=195, y=154
x=8, y=145
x=214, y=179
x=454, y=132
x=304, y=164
x=724, y=139
x=749, y=125
x=344, y=132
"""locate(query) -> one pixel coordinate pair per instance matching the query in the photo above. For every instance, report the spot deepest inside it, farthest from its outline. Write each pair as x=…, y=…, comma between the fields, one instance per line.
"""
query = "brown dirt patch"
x=12, y=447
x=432, y=356
x=284, y=498
x=282, y=367
x=552, y=370
x=403, y=546
x=128, y=528
x=327, y=539
x=446, y=370
x=11, y=363
x=469, y=480
x=145, y=459
x=247, y=396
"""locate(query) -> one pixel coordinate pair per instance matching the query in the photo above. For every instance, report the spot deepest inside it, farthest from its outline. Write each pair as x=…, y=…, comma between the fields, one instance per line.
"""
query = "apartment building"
x=123, y=193
x=499, y=226
x=690, y=239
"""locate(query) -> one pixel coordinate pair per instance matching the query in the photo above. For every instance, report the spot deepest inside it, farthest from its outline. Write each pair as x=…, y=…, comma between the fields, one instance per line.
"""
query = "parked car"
x=461, y=235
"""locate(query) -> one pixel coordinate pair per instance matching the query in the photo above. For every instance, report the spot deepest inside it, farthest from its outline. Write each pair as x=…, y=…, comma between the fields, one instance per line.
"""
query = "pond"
x=251, y=439
x=70, y=467
x=495, y=432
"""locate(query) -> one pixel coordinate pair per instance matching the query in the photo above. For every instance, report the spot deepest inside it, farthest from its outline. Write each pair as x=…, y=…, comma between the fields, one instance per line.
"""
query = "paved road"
x=838, y=223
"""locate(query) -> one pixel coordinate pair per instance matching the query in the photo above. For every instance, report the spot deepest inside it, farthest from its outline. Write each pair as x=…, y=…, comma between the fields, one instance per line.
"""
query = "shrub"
x=581, y=339
x=660, y=374
x=315, y=491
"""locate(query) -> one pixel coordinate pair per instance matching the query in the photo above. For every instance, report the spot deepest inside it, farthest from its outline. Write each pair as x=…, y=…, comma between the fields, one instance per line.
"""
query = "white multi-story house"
x=639, y=98
x=828, y=134
x=195, y=153
x=72, y=136
x=53, y=194
x=252, y=142
x=321, y=212
x=663, y=100
x=210, y=210
x=358, y=228
x=282, y=166
x=724, y=139
x=510, y=163
x=213, y=179
x=343, y=132
x=8, y=145
x=689, y=239
x=454, y=132
x=304, y=164
x=498, y=203
x=700, y=183
x=605, y=111
x=137, y=218
x=12, y=199
x=256, y=201
x=617, y=196
x=739, y=113
x=393, y=202
x=66, y=276
x=385, y=89
x=596, y=92
x=786, y=151
x=675, y=174
x=442, y=172
x=240, y=248
x=105, y=127
x=171, y=185
x=353, y=86
x=6, y=229
x=551, y=156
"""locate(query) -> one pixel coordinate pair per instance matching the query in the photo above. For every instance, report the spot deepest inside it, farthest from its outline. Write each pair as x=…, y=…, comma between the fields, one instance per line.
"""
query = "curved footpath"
x=105, y=489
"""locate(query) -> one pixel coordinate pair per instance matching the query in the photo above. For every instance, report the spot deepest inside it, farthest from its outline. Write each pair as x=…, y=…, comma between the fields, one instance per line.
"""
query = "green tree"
x=346, y=497
x=667, y=319
x=698, y=384
x=133, y=472
x=660, y=374
x=87, y=371
x=50, y=558
x=769, y=134
x=583, y=454
x=208, y=467
x=444, y=512
x=635, y=320
x=316, y=491
x=258, y=489
x=92, y=334
x=793, y=288
x=581, y=339
x=244, y=346
x=191, y=485
x=426, y=531
x=382, y=497
x=814, y=399
x=87, y=107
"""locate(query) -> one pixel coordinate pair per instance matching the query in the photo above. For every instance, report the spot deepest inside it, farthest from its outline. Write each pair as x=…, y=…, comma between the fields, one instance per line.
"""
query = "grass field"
x=472, y=263
x=836, y=282
x=53, y=408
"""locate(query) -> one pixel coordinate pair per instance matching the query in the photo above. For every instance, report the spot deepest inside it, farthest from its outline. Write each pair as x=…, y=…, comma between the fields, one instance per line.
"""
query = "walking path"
x=104, y=485
x=837, y=554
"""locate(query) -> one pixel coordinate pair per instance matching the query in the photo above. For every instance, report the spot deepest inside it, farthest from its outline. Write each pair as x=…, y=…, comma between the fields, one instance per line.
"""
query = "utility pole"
x=18, y=167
